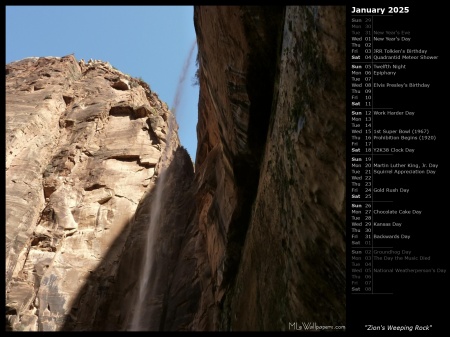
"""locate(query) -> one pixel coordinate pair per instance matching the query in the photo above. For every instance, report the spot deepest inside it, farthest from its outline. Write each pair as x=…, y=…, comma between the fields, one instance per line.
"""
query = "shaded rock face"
x=238, y=50
x=114, y=296
x=83, y=148
x=270, y=168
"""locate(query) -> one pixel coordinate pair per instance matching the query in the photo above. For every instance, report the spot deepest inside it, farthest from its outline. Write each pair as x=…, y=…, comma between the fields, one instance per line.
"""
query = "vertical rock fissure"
x=260, y=85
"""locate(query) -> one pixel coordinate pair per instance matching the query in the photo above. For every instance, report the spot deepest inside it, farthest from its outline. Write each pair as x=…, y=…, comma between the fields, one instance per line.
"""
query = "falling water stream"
x=139, y=321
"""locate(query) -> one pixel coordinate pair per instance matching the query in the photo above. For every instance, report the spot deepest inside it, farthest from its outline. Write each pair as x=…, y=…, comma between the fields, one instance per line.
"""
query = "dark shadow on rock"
x=107, y=303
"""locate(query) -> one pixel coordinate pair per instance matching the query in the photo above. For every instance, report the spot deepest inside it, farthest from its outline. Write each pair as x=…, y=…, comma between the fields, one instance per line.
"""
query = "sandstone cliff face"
x=83, y=146
x=253, y=240
x=110, y=302
x=270, y=165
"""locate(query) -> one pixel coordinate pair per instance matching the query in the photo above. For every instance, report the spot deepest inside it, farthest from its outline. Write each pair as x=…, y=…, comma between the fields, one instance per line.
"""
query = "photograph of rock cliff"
x=110, y=225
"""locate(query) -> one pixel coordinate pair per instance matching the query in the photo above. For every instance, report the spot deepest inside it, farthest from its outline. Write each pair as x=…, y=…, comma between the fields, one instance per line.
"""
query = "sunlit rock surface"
x=81, y=152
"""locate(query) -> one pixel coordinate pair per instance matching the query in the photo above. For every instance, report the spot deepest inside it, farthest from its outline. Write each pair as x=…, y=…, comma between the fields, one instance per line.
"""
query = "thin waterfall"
x=139, y=320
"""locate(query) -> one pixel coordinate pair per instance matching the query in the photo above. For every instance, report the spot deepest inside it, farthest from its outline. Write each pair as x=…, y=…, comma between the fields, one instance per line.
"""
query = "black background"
x=416, y=299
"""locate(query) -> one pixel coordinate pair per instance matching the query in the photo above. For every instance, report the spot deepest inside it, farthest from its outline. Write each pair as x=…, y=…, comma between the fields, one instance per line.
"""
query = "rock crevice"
x=272, y=109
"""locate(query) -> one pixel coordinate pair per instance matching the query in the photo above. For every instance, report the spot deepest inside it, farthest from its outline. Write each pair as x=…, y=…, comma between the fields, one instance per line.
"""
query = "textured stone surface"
x=81, y=153
x=293, y=262
x=237, y=58
x=270, y=166
x=172, y=291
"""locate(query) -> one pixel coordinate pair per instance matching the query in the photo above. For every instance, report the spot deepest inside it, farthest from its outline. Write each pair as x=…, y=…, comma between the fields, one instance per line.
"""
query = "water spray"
x=139, y=318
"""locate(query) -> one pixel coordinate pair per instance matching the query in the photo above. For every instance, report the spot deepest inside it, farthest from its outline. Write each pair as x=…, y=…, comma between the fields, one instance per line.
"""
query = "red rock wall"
x=270, y=165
